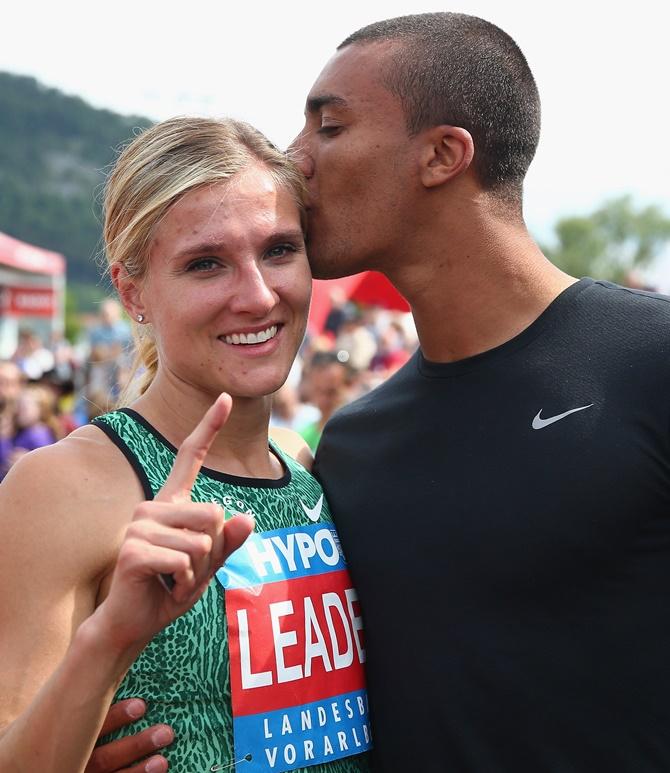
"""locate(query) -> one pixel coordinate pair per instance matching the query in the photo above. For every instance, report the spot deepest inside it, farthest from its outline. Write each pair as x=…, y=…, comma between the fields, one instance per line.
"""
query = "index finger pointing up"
x=193, y=450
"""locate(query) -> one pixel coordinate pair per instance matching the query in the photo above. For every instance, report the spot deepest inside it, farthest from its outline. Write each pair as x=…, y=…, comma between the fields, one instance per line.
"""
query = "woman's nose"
x=253, y=295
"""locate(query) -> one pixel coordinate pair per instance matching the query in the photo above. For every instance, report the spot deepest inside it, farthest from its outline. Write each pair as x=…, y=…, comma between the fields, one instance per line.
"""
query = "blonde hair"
x=155, y=170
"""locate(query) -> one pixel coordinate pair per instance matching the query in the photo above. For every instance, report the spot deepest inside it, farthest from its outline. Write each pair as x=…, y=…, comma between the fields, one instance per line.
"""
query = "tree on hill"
x=54, y=152
x=614, y=242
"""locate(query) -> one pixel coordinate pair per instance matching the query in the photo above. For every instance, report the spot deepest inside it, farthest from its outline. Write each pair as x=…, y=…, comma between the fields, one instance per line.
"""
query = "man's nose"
x=298, y=151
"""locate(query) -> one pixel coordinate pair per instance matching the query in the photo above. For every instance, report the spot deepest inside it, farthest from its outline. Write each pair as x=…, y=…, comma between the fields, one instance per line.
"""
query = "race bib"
x=296, y=651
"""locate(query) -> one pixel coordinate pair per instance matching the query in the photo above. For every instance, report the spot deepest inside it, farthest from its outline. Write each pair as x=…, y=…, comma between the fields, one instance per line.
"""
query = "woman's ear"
x=129, y=290
x=447, y=153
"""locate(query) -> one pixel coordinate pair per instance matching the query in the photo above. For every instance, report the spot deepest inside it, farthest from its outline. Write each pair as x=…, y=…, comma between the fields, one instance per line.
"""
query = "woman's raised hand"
x=171, y=535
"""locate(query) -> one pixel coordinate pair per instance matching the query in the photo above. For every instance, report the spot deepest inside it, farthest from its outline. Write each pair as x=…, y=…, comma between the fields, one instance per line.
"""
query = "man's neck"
x=487, y=285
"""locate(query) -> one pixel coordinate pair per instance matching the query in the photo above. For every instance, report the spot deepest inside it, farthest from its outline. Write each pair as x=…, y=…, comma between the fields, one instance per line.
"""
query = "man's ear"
x=129, y=290
x=447, y=153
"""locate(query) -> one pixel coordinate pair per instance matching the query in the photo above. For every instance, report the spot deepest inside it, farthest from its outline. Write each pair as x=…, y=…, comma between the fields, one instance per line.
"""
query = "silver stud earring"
x=140, y=318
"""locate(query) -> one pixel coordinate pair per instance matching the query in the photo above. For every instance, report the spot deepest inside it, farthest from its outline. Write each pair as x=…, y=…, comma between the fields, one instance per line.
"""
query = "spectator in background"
x=32, y=356
x=329, y=383
x=392, y=351
x=111, y=343
x=289, y=411
x=64, y=394
x=112, y=334
x=67, y=362
x=11, y=384
x=635, y=281
x=340, y=309
x=356, y=338
x=34, y=424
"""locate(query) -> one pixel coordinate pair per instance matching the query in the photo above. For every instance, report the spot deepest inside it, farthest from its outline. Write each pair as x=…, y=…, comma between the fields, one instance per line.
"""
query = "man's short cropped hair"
x=460, y=70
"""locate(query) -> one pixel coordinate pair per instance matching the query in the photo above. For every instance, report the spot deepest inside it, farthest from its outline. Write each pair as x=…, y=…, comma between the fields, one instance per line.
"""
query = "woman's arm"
x=52, y=554
x=61, y=524
x=57, y=731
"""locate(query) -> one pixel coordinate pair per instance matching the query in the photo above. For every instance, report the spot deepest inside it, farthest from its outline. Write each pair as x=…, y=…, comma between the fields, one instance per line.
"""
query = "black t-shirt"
x=506, y=519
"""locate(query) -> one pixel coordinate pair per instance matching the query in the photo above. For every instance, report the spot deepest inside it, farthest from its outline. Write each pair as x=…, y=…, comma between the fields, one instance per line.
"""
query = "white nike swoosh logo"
x=539, y=423
x=313, y=513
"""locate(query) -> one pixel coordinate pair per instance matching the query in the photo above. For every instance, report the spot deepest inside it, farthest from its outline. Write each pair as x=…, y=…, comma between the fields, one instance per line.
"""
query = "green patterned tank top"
x=265, y=672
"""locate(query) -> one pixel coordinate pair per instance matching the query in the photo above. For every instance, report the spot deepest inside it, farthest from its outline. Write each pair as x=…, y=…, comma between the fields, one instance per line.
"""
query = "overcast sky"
x=602, y=69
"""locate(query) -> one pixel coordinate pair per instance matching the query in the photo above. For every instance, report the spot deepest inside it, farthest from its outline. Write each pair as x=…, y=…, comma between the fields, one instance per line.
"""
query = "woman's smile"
x=228, y=286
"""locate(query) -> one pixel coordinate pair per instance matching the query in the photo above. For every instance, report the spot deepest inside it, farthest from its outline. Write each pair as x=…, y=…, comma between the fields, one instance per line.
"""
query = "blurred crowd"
x=355, y=352
x=49, y=389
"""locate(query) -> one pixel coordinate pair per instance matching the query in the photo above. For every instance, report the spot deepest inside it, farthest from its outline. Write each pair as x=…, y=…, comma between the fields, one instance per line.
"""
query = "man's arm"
x=129, y=754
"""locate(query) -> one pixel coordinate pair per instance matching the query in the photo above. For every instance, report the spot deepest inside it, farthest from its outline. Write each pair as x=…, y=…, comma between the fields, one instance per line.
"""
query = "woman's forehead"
x=248, y=204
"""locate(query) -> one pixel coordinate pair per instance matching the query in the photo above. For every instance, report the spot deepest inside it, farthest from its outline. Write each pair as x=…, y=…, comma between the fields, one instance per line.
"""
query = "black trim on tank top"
x=208, y=472
x=130, y=456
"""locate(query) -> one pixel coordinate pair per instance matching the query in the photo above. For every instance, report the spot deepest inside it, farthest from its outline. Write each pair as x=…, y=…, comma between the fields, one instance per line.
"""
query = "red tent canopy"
x=369, y=289
x=27, y=257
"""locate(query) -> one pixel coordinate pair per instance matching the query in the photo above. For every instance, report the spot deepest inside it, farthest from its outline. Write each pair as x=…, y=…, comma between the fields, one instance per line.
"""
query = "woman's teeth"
x=251, y=338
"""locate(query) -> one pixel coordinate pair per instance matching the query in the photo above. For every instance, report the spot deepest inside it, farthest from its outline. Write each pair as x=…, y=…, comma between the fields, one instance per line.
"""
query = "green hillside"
x=54, y=150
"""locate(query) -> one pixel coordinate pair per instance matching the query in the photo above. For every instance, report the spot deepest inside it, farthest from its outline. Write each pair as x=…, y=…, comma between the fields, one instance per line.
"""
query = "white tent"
x=32, y=290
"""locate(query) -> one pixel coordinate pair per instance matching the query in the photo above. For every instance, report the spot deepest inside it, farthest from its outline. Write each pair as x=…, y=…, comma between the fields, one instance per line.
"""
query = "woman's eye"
x=202, y=264
x=280, y=251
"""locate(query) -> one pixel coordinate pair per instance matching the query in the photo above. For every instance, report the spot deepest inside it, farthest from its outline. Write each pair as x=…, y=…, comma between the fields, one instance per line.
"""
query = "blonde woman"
x=112, y=582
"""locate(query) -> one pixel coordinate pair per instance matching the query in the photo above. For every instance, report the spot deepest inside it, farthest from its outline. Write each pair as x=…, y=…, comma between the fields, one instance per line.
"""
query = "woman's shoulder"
x=84, y=459
x=292, y=444
x=75, y=495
